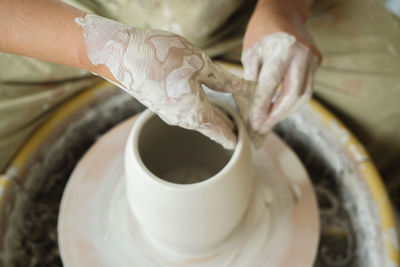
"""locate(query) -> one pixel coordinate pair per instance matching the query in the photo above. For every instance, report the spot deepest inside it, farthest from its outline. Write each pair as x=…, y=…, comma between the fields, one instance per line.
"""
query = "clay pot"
x=187, y=192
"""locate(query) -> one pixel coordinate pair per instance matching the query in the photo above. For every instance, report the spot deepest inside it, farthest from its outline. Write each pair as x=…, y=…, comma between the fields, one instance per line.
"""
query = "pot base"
x=96, y=227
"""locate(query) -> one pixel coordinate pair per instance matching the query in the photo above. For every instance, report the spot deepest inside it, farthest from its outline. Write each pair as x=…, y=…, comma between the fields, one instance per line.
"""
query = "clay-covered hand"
x=283, y=69
x=281, y=58
x=163, y=71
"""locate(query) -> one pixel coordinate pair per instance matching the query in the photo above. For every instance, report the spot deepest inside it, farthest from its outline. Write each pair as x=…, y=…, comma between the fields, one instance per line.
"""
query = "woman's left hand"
x=280, y=56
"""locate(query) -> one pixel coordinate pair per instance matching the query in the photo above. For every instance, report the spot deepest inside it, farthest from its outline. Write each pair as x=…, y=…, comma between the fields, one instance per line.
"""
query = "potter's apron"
x=359, y=77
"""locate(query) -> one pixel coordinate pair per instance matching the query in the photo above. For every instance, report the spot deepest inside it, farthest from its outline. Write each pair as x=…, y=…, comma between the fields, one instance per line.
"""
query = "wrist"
x=104, y=72
x=272, y=16
x=95, y=50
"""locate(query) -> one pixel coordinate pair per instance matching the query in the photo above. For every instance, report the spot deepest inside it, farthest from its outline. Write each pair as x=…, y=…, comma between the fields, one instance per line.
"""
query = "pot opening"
x=179, y=155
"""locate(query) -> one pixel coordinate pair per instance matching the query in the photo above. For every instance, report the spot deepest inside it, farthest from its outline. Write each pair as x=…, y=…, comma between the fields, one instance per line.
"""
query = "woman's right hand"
x=163, y=71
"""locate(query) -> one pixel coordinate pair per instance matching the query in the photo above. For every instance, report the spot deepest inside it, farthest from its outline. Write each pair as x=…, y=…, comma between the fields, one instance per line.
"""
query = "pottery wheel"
x=351, y=233
x=94, y=216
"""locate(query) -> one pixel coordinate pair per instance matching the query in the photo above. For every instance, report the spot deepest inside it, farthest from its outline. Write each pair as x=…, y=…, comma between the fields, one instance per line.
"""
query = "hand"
x=280, y=56
x=163, y=71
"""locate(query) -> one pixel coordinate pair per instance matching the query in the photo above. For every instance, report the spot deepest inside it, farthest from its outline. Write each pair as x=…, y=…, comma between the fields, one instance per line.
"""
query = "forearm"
x=271, y=16
x=301, y=6
x=43, y=29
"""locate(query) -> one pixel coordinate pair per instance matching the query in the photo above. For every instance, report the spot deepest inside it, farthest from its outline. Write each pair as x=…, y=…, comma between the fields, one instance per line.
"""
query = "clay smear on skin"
x=278, y=58
x=163, y=71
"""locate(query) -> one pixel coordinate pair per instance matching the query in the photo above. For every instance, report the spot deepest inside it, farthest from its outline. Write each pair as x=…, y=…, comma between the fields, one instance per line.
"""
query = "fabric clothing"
x=29, y=91
x=359, y=77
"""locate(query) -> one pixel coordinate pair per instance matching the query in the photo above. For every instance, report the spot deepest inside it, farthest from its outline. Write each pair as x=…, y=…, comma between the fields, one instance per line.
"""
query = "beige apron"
x=360, y=75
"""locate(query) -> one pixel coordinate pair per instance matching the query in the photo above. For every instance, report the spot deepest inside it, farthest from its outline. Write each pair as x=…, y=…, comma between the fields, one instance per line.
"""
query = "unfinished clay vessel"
x=187, y=192
x=149, y=194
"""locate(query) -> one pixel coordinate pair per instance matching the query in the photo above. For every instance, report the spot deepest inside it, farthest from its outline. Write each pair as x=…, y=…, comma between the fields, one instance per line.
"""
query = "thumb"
x=219, y=79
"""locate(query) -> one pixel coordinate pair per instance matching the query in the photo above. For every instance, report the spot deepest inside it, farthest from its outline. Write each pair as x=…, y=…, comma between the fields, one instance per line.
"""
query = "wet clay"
x=163, y=71
x=281, y=220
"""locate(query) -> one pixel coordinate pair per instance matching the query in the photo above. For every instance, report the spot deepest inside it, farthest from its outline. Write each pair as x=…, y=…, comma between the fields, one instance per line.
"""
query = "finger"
x=252, y=63
x=214, y=124
x=293, y=86
x=270, y=77
x=259, y=110
x=306, y=95
x=217, y=78
x=225, y=117
x=202, y=95
x=244, y=98
x=249, y=100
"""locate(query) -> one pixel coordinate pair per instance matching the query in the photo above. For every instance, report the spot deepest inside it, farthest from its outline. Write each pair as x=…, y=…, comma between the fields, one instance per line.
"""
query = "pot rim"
x=133, y=150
